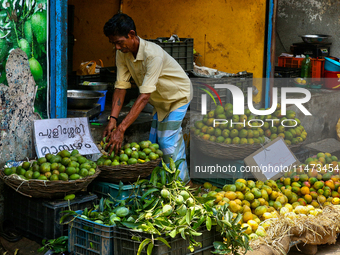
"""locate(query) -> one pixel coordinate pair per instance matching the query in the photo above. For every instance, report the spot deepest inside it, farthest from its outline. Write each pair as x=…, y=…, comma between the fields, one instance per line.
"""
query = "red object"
x=317, y=65
x=332, y=80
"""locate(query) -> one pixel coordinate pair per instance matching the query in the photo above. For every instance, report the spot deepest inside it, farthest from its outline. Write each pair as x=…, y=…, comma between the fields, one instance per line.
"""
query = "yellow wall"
x=89, y=20
x=228, y=34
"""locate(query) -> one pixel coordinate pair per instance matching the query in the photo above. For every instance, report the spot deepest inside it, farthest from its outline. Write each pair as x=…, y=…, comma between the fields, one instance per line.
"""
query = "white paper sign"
x=274, y=159
x=54, y=135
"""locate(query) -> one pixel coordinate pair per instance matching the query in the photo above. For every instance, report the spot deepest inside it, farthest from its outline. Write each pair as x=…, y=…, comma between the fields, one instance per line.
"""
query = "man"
x=161, y=81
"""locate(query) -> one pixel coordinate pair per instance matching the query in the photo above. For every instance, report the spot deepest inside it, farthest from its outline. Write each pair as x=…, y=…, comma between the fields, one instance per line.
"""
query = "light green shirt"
x=155, y=72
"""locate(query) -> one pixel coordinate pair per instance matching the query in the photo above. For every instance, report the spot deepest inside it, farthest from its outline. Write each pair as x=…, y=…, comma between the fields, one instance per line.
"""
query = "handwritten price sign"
x=54, y=135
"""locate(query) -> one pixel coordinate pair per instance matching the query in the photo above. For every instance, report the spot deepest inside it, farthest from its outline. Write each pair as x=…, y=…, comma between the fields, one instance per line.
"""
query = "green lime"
x=134, y=154
x=70, y=170
x=54, y=177
x=74, y=177
x=73, y=164
x=83, y=172
x=35, y=175
x=45, y=167
x=42, y=177
x=115, y=163
x=86, y=166
x=48, y=156
x=132, y=161
x=141, y=155
x=123, y=157
x=74, y=152
x=54, y=166
x=26, y=165
x=82, y=160
x=29, y=174
x=8, y=171
x=63, y=177
x=42, y=160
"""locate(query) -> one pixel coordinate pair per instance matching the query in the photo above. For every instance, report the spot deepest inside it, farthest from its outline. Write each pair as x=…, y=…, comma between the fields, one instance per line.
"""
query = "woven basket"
x=47, y=189
x=231, y=151
x=127, y=173
x=225, y=151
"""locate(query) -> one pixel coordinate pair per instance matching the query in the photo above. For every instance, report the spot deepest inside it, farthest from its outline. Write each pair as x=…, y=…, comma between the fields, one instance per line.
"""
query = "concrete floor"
x=326, y=249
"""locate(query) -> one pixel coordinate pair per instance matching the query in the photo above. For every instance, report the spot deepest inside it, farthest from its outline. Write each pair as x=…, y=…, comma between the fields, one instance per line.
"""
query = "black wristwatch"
x=108, y=118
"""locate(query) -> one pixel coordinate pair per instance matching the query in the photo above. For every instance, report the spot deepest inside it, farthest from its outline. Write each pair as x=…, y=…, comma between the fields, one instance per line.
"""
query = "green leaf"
x=237, y=219
x=131, y=224
x=142, y=245
x=208, y=223
x=188, y=216
x=149, y=192
x=199, y=223
x=163, y=241
x=178, y=162
x=173, y=233
x=135, y=238
x=204, y=200
x=195, y=233
x=183, y=234
x=149, y=250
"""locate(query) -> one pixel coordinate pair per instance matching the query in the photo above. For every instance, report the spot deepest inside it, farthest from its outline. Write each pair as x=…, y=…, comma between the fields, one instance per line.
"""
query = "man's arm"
x=117, y=136
x=117, y=104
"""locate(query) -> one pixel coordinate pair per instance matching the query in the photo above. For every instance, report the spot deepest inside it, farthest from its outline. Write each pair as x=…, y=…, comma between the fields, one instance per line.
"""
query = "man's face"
x=121, y=43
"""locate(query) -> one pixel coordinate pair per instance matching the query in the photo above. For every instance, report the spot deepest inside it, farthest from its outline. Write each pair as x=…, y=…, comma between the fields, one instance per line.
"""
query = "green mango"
x=39, y=26
x=28, y=31
x=25, y=46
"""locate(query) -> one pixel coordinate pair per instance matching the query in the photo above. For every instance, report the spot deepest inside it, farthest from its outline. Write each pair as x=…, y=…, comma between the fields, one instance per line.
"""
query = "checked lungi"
x=168, y=134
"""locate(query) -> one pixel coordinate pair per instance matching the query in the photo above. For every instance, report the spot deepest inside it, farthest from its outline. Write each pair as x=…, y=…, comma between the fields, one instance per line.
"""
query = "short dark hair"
x=120, y=24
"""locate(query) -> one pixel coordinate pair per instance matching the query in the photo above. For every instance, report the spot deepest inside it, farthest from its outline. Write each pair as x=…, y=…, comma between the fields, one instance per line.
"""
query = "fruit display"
x=305, y=190
x=165, y=207
x=24, y=25
x=221, y=126
x=64, y=166
x=315, y=182
x=130, y=153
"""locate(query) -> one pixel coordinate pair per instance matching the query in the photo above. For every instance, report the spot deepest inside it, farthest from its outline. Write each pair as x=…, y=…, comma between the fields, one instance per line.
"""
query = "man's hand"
x=115, y=142
x=111, y=126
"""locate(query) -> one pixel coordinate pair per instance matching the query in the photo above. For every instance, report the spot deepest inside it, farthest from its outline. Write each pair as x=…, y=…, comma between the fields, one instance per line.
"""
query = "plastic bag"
x=89, y=67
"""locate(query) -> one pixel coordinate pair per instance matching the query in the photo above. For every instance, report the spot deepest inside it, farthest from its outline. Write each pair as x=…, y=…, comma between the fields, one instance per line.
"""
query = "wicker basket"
x=127, y=173
x=231, y=151
x=47, y=189
x=225, y=151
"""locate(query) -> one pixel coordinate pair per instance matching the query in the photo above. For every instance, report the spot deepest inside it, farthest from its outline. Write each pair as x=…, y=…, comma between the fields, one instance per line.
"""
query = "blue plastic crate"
x=111, y=191
x=102, y=100
x=86, y=237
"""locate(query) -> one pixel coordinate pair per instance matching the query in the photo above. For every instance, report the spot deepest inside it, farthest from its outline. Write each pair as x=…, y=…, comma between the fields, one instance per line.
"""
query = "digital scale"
x=314, y=50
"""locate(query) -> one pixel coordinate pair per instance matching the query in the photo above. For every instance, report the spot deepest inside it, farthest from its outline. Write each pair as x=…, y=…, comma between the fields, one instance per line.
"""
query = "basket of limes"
x=134, y=160
x=51, y=176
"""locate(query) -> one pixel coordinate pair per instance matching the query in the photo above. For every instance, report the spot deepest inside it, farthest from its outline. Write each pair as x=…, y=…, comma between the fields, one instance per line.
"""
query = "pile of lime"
x=131, y=153
x=64, y=166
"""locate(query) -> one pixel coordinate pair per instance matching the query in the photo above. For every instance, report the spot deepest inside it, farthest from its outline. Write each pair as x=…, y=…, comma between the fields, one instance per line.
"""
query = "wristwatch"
x=108, y=118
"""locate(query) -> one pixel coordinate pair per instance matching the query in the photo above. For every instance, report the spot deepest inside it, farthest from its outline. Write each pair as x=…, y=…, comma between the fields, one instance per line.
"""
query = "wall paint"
x=90, y=41
x=300, y=17
x=229, y=35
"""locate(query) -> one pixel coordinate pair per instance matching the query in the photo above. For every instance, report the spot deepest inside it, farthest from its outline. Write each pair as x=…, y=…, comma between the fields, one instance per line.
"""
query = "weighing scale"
x=314, y=50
